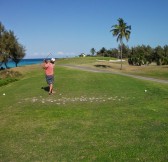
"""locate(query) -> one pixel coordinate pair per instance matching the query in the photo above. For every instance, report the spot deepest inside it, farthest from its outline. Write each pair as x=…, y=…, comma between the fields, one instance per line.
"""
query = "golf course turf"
x=91, y=117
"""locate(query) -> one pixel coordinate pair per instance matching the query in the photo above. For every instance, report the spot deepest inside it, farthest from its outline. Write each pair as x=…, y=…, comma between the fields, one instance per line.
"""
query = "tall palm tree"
x=121, y=30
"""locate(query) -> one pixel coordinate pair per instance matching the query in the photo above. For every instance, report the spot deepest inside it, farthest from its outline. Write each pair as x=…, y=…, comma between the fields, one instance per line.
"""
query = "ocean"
x=24, y=62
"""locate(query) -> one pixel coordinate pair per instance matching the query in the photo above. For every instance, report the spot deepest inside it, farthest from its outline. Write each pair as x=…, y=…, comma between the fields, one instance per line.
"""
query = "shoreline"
x=22, y=63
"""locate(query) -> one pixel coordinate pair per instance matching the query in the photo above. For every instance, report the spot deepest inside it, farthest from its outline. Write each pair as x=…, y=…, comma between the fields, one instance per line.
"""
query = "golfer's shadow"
x=45, y=88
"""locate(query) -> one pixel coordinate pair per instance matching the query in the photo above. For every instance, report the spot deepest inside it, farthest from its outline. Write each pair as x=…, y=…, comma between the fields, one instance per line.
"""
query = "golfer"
x=48, y=66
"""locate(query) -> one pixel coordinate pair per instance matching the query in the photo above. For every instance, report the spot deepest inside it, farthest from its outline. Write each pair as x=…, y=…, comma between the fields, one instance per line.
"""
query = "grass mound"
x=8, y=76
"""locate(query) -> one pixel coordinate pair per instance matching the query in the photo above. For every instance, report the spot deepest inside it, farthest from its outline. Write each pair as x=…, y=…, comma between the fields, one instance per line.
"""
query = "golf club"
x=47, y=56
x=45, y=60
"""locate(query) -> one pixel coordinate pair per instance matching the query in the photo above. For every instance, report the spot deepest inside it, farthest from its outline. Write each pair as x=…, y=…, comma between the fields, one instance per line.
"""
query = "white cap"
x=53, y=59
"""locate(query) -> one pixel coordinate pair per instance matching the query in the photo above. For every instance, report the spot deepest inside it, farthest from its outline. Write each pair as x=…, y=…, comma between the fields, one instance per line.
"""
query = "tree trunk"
x=121, y=53
x=6, y=65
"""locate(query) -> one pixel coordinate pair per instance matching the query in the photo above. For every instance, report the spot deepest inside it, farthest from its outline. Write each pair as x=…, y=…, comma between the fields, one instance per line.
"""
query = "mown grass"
x=91, y=117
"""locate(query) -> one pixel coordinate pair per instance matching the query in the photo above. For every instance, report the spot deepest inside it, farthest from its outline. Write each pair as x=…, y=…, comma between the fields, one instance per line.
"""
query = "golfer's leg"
x=51, y=87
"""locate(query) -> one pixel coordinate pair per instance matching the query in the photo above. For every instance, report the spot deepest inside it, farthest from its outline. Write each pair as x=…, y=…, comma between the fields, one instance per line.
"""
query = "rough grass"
x=91, y=117
x=152, y=70
x=8, y=76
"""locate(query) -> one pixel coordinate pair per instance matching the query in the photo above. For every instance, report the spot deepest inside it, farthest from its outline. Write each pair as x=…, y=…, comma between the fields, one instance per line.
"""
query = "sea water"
x=24, y=62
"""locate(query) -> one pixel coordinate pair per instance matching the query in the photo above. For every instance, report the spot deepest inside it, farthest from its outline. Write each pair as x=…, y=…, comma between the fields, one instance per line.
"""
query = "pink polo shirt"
x=49, y=68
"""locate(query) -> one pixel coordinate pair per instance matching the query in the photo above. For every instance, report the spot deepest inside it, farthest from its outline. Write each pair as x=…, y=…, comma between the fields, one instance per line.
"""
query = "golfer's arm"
x=44, y=67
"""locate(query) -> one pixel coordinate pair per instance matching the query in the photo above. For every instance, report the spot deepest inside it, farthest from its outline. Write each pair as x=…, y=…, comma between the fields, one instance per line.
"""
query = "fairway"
x=91, y=117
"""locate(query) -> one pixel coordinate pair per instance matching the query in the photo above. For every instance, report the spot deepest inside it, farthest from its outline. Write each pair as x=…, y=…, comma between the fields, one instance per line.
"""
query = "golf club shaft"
x=48, y=55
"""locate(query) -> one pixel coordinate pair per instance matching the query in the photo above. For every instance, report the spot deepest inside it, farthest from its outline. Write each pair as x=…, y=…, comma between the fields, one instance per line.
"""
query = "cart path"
x=114, y=72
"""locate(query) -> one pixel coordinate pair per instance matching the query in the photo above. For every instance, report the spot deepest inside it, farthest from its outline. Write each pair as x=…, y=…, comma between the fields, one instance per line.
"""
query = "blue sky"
x=68, y=28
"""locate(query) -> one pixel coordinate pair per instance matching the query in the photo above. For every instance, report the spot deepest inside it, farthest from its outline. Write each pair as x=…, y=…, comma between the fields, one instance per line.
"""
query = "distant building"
x=82, y=55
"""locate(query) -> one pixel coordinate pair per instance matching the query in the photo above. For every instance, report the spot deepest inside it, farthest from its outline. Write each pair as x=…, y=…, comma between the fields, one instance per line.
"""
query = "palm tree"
x=121, y=30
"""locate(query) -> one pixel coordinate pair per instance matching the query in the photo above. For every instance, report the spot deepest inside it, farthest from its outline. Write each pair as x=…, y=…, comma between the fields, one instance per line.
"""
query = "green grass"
x=92, y=117
x=160, y=72
x=6, y=81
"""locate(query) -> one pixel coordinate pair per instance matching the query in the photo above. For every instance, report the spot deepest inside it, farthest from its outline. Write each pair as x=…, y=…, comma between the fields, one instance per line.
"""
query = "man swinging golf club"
x=48, y=66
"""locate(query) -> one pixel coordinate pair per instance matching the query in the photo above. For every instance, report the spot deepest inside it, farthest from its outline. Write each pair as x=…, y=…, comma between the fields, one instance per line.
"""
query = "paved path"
x=114, y=72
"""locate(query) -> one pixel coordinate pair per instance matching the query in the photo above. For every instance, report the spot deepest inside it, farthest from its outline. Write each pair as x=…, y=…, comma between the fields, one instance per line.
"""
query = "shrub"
x=8, y=76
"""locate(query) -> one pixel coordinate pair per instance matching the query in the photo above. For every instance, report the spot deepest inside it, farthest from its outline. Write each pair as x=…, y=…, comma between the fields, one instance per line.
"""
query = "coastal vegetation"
x=138, y=55
x=10, y=48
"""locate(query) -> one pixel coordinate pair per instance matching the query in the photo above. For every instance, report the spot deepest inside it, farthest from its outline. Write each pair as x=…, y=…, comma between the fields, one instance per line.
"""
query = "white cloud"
x=66, y=54
x=60, y=53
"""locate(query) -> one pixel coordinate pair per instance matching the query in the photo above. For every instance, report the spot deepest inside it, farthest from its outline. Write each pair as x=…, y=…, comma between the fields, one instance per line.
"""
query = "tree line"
x=10, y=48
x=138, y=55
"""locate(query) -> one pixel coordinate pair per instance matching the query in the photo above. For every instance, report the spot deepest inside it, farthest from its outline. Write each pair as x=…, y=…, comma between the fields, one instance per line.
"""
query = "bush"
x=8, y=76
x=140, y=55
